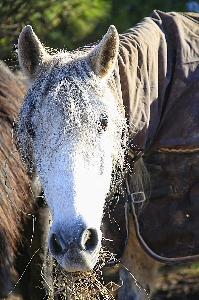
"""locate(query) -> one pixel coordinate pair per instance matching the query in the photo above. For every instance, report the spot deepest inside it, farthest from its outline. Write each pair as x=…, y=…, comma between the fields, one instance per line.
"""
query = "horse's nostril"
x=55, y=245
x=89, y=239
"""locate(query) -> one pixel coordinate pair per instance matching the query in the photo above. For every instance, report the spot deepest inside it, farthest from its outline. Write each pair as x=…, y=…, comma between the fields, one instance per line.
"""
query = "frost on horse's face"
x=69, y=128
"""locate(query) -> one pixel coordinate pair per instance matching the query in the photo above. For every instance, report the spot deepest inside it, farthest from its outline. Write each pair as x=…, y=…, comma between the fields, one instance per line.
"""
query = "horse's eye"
x=31, y=131
x=103, y=122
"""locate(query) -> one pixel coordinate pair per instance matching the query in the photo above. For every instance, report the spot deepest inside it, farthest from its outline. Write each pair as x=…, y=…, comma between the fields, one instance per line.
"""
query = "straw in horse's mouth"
x=79, y=285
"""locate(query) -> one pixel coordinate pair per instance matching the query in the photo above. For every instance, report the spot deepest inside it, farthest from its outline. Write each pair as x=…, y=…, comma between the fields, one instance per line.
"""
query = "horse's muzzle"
x=77, y=252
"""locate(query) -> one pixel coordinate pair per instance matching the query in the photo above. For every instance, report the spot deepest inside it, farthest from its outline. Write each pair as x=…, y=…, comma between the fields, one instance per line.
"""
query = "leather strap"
x=152, y=254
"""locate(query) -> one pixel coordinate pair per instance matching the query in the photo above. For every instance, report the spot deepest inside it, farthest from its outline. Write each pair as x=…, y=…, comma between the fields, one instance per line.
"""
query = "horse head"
x=69, y=128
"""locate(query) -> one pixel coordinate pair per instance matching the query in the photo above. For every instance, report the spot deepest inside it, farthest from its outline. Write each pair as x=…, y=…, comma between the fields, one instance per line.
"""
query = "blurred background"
x=73, y=23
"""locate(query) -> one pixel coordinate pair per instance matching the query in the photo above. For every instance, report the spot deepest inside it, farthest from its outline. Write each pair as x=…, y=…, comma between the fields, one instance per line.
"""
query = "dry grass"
x=78, y=285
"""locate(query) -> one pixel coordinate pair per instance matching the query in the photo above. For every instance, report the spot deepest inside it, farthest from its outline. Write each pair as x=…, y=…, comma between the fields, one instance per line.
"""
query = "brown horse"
x=14, y=187
x=16, y=194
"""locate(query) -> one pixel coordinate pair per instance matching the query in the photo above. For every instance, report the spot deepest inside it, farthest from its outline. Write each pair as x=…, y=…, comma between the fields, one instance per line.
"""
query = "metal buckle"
x=139, y=200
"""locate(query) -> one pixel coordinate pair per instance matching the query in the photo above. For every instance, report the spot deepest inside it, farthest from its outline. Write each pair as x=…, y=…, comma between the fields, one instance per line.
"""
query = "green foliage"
x=126, y=13
x=71, y=23
x=195, y=266
x=56, y=22
x=68, y=22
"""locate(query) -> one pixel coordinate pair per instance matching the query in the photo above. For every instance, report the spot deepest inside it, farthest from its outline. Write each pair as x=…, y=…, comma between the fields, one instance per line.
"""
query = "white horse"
x=73, y=129
x=70, y=128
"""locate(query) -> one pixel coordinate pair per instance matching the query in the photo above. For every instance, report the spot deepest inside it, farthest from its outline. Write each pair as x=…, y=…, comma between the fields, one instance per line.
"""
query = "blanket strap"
x=135, y=155
x=132, y=199
x=145, y=247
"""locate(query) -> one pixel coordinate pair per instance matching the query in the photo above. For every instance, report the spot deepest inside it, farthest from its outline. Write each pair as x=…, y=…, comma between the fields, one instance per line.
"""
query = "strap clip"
x=138, y=197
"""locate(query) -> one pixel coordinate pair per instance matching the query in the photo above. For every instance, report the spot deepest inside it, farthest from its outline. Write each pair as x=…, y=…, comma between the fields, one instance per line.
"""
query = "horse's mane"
x=14, y=184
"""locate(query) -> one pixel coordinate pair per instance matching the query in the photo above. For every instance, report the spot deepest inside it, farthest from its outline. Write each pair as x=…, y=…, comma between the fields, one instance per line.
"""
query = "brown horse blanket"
x=158, y=72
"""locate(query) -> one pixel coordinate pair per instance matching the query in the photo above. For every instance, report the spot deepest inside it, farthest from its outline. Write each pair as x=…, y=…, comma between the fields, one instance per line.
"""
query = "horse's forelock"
x=62, y=82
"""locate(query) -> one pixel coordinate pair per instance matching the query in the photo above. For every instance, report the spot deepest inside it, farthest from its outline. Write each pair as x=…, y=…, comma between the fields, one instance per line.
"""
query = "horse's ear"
x=31, y=53
x=103, y=57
